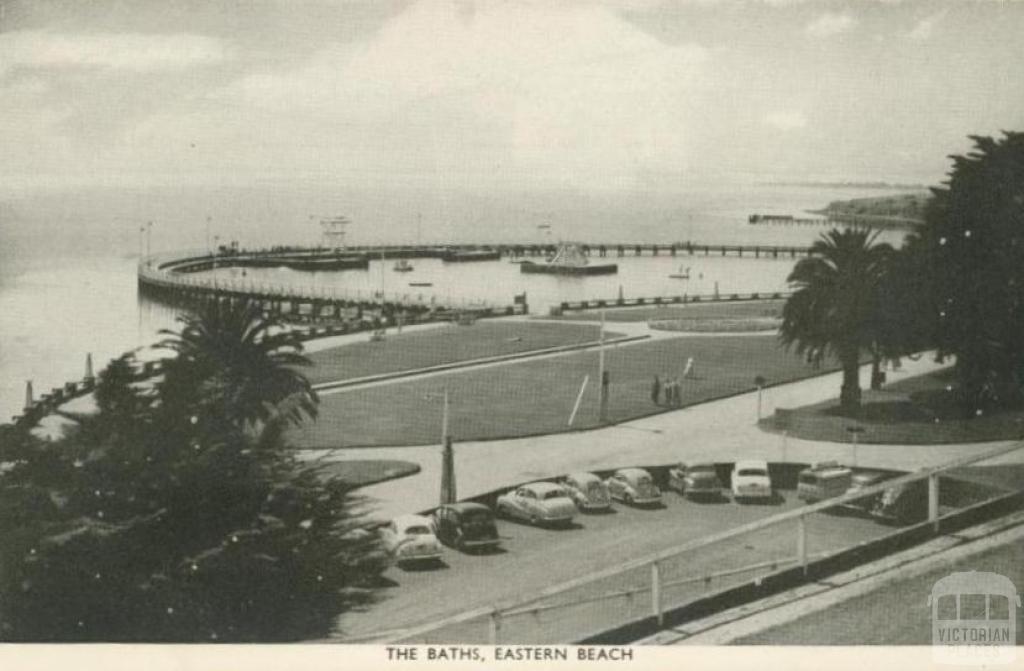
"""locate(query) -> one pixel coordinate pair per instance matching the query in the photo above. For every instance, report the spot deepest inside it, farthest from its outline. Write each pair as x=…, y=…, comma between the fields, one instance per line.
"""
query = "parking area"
x=532, y=559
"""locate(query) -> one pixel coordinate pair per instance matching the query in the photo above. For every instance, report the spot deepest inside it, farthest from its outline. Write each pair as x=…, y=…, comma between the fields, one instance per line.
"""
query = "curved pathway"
x=723, y=430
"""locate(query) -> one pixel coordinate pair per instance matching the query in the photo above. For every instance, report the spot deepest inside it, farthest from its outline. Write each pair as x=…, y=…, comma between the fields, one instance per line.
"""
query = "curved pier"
x=167, y=279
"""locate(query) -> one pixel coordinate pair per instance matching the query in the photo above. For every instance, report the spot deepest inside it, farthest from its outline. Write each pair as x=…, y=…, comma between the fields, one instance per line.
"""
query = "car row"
x=468, y=526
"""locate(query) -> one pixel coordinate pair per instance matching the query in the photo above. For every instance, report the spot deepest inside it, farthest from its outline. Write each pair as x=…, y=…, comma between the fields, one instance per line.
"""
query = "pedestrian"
x=673, y=390
x=677, y=392
x=688, y=372
x=656, y=391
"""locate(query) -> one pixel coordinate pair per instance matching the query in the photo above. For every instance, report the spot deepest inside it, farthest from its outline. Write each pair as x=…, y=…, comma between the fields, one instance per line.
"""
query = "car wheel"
x=534, y=521
x=627, y=499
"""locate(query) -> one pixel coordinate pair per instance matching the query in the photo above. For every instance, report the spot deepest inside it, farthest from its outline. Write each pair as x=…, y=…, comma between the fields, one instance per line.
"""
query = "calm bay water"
x=67, y=258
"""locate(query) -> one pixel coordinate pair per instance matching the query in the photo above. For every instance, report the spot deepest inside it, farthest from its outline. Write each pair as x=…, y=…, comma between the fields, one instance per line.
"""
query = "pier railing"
x=160, y=273
x=650, y=591
x=681, y=299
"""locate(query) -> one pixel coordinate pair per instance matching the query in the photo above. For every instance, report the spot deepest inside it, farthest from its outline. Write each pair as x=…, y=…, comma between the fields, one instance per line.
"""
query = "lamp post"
x=149, y=241
x=448, y=491
x=759, y=382
x=602, y=377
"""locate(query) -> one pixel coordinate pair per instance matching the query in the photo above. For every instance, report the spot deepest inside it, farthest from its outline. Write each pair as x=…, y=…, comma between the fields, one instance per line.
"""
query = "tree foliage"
x=974, y=247
x=835, y=302
x=191, y=524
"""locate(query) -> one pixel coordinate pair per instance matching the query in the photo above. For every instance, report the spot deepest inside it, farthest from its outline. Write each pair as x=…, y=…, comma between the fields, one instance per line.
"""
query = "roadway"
x=535, y=558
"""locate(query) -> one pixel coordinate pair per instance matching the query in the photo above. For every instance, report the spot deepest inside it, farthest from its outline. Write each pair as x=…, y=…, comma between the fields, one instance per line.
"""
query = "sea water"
x=68, y=256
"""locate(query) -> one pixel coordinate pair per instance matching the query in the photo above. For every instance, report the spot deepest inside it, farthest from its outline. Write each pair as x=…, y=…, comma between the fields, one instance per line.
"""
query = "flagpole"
x=600, y=372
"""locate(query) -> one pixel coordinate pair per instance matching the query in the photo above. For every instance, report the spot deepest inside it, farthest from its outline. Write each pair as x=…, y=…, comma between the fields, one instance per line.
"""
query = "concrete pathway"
x=723, y=430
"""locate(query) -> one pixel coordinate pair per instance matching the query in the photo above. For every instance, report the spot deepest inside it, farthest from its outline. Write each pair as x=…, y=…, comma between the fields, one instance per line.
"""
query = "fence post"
x=933, y=501
x=494, y=627
x=659, y=615
x=801, y=542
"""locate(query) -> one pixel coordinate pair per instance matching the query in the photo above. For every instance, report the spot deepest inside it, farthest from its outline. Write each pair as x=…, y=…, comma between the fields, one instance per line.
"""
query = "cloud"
x=829, y=24
x=558, y=92
x=790, y=120
x=133, y=52
x=923, y=29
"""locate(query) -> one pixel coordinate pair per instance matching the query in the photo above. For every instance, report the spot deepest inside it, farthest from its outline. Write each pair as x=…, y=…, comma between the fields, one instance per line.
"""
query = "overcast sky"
x=492, y=94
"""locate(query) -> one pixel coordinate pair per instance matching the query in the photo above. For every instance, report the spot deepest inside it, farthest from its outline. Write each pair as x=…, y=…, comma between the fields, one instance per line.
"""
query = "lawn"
x=447, y=344
x=536, y=397
x=710, y=311
x=915, y=411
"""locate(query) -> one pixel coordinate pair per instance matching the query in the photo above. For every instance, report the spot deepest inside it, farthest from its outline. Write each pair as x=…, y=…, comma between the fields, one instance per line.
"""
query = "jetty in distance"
x=866, y=221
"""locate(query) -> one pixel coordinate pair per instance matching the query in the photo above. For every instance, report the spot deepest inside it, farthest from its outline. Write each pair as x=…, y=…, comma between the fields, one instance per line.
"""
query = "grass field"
x=738, y=310
x=915, y=411
x=444, y=345
x=536, y=396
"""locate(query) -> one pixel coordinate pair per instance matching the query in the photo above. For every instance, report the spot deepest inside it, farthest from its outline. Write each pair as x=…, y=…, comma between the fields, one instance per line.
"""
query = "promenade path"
x=722, y=430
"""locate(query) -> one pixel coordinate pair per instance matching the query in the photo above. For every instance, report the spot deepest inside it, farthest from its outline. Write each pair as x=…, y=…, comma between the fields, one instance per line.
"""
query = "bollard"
x=801, y=542
x=656, y=608
x=933, y=501
x=494, y=627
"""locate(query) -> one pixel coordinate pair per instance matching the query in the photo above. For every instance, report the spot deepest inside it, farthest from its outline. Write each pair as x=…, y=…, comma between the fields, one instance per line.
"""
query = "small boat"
x=421, y=284
x=682, y=274
x=568, y=260
x=403, y=266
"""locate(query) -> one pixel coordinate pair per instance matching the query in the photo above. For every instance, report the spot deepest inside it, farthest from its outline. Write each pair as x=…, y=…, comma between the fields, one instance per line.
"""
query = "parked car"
x=823, y=480
x=411, y=539
x=537, y=503
x=750, y=480
x=466, y=526
x=695, y=481
x=862, y=480
x=634, y=486
x=366, y=554
x=587, y=491
x=903, y=504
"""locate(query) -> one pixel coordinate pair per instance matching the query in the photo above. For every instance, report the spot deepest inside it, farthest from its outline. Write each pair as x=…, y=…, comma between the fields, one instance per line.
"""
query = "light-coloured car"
x=699, y=480
x=411, y=539
x=587, y=491
x=750, y=480
x=824, y=480
x=537, y=503
x=633, y=486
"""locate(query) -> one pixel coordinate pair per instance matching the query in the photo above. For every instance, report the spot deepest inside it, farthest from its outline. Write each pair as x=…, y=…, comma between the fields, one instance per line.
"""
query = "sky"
x=499, y=94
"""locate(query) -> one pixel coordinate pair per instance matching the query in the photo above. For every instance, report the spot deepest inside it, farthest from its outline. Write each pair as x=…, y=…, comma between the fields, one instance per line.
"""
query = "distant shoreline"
x=895, y=186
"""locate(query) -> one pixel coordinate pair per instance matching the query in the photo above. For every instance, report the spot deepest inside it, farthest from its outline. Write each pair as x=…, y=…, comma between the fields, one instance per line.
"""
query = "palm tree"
x=831, y=310
x=239, y=365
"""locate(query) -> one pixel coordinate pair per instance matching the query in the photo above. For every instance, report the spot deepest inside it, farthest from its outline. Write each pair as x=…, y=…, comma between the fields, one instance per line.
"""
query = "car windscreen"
x=418, y=530
x=703, y=470
x=753, y=472
x=553, y=494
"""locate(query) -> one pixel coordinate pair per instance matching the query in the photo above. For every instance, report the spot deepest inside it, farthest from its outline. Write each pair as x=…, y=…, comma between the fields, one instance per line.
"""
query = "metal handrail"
x=653, y=561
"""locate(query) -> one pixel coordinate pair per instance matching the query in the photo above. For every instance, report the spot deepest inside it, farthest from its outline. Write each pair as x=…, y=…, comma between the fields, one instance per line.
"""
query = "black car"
x=905, y=504
x=466, y=526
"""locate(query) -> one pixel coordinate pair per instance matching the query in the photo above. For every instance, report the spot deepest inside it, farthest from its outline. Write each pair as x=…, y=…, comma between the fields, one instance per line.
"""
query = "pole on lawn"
x=448, y=494
x=579, y=398
x=603, y=393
